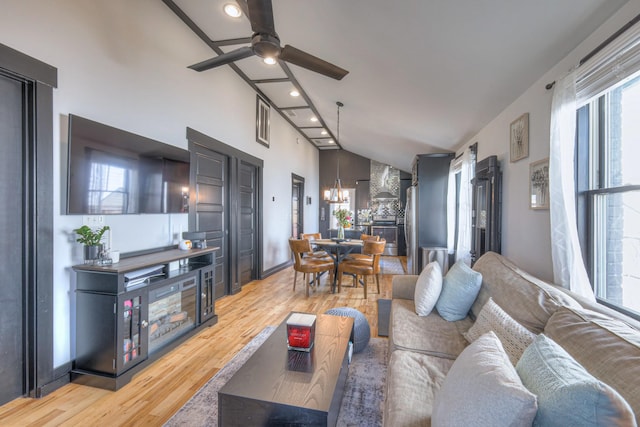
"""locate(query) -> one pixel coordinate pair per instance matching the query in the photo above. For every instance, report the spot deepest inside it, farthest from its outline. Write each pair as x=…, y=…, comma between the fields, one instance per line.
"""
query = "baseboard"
x=61, y=377
x=277, y=268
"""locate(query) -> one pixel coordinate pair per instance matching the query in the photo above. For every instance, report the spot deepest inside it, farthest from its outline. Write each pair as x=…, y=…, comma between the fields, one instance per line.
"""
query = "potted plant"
x=92, y=241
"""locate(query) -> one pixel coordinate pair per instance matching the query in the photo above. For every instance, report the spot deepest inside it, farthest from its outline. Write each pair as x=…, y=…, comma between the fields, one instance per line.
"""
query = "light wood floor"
x=161, y=389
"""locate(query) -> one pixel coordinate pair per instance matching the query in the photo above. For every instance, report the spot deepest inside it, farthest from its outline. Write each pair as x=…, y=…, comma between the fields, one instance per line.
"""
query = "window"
x=608, y=180
x=262, y=121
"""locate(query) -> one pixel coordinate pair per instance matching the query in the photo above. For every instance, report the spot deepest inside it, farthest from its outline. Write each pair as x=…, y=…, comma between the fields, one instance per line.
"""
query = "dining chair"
x=308, y=265
x=370, y=237
x=362, y=268
x=364, y=256
x=311, y=237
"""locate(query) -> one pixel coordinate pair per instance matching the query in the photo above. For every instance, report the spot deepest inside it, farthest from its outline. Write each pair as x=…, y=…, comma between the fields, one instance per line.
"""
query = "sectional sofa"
x=423, y=349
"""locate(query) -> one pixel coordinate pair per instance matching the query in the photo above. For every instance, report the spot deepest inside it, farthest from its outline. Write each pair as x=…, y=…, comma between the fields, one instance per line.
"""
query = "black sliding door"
x=26, y=223
x=12, y=242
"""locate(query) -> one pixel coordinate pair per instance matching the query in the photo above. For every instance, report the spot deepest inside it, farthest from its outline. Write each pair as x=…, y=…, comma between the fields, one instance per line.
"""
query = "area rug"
x=362, y=402
x=391, y=265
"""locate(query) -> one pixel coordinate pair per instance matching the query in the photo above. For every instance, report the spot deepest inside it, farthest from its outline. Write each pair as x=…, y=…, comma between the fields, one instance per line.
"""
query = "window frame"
x=591, y=161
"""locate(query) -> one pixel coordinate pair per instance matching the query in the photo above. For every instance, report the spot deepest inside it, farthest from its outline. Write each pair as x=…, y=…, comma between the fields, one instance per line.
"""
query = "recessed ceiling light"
x=324, y=132
x=330, y=141
x=294, y=93
x=269, y=60
x=314, y=119
x=232, y=10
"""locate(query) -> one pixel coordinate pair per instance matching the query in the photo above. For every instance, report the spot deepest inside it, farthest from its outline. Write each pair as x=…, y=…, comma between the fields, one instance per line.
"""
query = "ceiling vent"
x=291, y=113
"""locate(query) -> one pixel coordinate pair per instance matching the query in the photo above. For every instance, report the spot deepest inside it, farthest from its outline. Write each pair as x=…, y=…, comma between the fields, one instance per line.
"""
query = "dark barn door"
x=228, y=186
x=12, y=240
x=211, y=204
x=248, y=233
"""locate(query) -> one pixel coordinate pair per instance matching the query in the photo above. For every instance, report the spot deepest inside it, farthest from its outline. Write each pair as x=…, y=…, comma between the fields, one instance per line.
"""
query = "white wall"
x=123, y=63
x=525, y=232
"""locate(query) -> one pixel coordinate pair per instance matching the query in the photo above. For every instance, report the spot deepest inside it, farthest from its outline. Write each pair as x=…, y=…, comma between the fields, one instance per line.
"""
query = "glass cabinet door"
x=133, y=330
x=207, y=294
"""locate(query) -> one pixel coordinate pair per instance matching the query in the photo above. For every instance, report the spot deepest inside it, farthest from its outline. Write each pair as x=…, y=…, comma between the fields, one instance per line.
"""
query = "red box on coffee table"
x=301, y=331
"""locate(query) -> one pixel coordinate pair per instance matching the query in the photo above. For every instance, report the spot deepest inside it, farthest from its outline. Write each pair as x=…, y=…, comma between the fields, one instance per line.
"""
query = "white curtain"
x=465, y=166
x=568, y=265
x=467, y=172
x=451, y=207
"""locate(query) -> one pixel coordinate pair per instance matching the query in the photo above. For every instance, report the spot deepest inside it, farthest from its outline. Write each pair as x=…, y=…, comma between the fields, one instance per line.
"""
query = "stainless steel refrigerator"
x=426, y=212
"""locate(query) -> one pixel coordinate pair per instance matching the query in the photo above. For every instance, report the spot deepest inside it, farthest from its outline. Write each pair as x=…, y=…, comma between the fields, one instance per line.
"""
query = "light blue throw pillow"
x=460, y=288
x=567, y=394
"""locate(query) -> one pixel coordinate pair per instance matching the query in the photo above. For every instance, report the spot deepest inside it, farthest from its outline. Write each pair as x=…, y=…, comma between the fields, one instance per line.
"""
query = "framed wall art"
x=519, y=138
x=263, y=111
x=539, y=184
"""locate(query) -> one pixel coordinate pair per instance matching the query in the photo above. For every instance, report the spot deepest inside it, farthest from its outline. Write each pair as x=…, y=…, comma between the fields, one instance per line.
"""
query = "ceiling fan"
x=265, y=43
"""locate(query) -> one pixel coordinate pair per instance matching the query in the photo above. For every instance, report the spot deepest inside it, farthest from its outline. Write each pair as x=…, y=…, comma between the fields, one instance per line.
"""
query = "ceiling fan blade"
x=225, y=58
x=242, y=4
x=310, y=62
x=261, y=17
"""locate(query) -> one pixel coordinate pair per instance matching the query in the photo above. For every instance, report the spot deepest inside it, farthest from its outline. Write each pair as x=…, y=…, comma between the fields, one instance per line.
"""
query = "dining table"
x=337, y=249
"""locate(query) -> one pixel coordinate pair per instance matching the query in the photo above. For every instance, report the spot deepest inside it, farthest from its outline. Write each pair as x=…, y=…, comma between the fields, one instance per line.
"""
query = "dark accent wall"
x=352, y=169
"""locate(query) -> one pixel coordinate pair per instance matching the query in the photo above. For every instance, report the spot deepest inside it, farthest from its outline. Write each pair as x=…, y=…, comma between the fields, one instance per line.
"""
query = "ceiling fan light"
x=232, y=10
x=269, y=60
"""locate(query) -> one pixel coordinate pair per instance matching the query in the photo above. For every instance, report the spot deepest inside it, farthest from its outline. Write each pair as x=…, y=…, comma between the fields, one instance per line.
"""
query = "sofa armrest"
x=403, y=287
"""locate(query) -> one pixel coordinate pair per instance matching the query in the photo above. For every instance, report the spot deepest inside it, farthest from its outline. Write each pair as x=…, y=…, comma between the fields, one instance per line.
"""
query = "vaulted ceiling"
x=424, y=75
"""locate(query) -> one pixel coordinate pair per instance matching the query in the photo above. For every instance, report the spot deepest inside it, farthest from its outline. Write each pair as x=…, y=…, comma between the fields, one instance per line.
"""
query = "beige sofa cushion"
x=514, y=337
x=425, y=334
x=527, y=299
x=609, y=349
x=482, y=388
x=412, y=381
x=403, y=287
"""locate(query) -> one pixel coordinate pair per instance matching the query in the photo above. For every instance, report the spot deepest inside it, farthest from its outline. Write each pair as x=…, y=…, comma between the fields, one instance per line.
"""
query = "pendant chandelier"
x=336, y=194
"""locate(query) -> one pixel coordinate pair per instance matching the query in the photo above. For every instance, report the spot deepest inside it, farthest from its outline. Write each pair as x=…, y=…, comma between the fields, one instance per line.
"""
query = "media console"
x=130, y=313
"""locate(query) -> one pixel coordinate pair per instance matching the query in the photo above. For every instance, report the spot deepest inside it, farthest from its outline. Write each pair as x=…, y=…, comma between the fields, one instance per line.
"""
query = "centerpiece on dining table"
x=343, y=216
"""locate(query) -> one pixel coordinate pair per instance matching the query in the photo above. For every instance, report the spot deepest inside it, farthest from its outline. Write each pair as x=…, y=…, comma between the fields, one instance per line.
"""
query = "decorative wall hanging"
x=539, y=184
x=519, y=138
x=263, y=111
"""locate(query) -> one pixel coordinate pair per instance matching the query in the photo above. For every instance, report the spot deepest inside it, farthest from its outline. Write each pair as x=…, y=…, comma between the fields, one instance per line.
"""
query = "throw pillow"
x=482, y=388
x=428, y=287
x=567, y=394
x=514, y=337
x=460, y=288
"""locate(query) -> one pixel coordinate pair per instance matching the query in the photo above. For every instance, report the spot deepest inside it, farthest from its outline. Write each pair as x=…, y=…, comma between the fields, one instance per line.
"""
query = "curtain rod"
x=473, y=147
x=602, y=45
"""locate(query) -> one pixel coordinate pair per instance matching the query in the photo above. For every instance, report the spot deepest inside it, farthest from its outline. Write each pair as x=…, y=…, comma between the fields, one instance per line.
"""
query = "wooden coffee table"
x=277, y=386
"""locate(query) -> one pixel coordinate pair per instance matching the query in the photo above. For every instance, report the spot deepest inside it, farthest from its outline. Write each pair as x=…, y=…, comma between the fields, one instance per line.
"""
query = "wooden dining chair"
x=362, y=268
x=308, y=265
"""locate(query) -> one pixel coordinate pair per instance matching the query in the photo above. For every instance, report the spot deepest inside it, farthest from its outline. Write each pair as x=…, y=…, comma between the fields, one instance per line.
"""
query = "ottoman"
x=361, y=330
